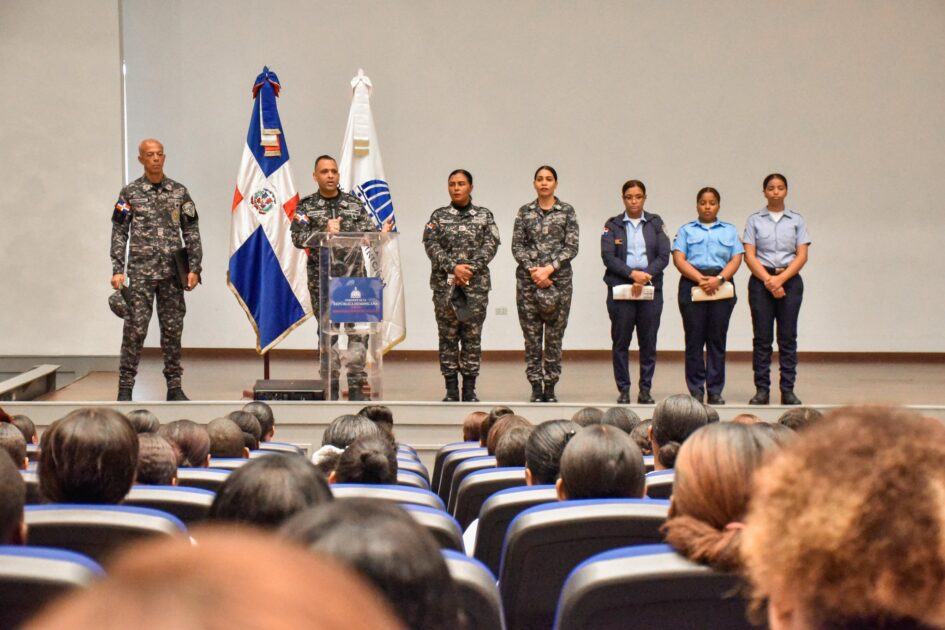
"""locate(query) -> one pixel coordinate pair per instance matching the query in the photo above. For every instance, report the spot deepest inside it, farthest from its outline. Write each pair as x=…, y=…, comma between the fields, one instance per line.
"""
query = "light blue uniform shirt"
x=776, y=242
x=636, y=246
x=708, y=245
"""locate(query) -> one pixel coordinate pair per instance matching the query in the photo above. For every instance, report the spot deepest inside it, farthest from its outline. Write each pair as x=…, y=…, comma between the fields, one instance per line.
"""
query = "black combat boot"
x=176, y=394
x=549, y=395
x=644, y=397
x=538, y=395
x=761, y=397
x=788, y=397
x=452, y=388
x=469, y=389
x=124, y=394
x=356, y=392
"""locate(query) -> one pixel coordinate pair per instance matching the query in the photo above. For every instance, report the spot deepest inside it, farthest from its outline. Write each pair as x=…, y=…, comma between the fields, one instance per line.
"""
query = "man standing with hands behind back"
x=154, y=212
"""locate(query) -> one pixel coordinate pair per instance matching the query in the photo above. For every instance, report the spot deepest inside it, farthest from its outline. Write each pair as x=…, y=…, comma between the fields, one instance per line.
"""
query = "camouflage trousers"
x=460, y=342
x=543, y=365
x=170, y=310
x=355, y=357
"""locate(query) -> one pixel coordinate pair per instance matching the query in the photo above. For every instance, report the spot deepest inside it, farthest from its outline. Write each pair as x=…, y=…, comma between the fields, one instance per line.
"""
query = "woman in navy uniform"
x=707, y=253
x=635, y=250
x=776, y=243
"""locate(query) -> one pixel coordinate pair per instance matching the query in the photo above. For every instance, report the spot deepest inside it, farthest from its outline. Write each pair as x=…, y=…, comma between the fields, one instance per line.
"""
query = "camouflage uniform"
x=155, y=215
x=311, y=217
x=542, y=238
x=456, y=236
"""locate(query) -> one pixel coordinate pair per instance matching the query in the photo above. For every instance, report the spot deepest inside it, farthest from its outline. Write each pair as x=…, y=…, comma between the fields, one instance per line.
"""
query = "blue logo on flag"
x=375, y=193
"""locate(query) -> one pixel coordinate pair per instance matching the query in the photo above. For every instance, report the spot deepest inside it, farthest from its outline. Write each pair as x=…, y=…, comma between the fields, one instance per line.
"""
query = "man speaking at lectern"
x=334, y=211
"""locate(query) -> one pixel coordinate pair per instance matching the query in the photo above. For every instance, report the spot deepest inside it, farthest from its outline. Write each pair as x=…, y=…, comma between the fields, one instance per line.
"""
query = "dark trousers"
x=765, y=311
x=706, y=328
x=625, y=315
x=171, y=309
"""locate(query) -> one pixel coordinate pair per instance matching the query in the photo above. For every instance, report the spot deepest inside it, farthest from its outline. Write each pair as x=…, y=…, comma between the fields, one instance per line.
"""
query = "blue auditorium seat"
x=659, y=484
x=478, y=486
x=443, y=526
x=498, y=511
x=190, y=505
x=388, y=492
x=479, y=601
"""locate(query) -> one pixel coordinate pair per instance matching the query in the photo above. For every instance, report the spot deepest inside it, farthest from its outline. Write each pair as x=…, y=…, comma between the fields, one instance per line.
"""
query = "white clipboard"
x=726, y=291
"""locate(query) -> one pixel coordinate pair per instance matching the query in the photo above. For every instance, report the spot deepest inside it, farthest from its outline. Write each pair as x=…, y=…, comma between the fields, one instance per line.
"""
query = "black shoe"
x=469, y=389
x=124, y=394
x=761, y=397
x=549, y=395
x=716, y=399
x=790, y=398
x=176, y=394
x=624, y=398
x=644, y=397
x=697, y=394
x=452, y=389
x=356, y=393
x=537, y=394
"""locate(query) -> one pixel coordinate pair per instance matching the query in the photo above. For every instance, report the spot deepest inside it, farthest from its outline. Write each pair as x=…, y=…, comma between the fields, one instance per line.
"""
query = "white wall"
x=844, y=97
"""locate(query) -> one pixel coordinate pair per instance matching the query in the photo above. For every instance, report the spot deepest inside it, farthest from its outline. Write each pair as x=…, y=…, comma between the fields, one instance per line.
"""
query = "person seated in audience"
x=232, y=579
x=799, y=418
x=143, y=421
x=472, y=426
x=674, y=419
x=26, y=427
x=265, y=417
x=494, y=414
x=601, y=462
x=157, y=461
x=846, y=527
x=588, y=416
x=543, y=450
x=501, y=426
x=641, y=436
x=345, y=429
x=226, y=439
x=12, y=500
x=371, y=459
x=12, y=441
x=386, y=546
x=711, y=413
x=624, y=418
x=268, y=490
x=711, y=489
x=89, y=456
x=747, y=419
x=190, y=440
x=510, y=447
x=249, y=425
x=380, y=415
x=779, y=433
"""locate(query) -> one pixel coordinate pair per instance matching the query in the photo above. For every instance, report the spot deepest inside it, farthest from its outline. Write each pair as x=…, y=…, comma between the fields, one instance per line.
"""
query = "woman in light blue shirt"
x=707, y=253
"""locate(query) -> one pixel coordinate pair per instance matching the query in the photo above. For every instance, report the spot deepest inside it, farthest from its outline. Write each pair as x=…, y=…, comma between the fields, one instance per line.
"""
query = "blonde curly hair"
x=847, y=524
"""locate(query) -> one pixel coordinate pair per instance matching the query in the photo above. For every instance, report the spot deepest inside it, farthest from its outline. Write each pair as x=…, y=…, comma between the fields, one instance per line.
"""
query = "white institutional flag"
x=362, y=174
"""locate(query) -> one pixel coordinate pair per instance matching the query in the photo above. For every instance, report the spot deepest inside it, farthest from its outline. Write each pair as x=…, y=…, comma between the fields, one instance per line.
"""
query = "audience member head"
x=674, y=419
x=501, y=426
x=641, y=436
x=12, y=441
x=380, y=415
x=12, y=499
x=711, y=489
x=386, y=546
x=778, y=433
x=143, y=421
x=543, y=450
x=747, y=419
x=191, y=440
x=344, y=430
x=371, y=459
x=494, y=414
x=588, y=416
x=846, y=527
x=249, y=425
x=268, y=490
x=799, y=418
x=89, y=456
x=157, y=460
x=472, y=425
x=712, y=414
x=226, y=439
x=600, y=462
x=263, y=413
x=232, y=579
x=26, y=427
x=624, y=418
x=510, y=447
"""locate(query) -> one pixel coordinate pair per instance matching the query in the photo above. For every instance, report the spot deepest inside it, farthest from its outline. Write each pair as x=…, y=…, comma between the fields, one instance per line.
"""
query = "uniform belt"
x=709, y=271
x=775, y=270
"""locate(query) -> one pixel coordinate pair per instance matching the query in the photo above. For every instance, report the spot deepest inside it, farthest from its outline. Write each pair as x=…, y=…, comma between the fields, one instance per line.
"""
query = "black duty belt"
x=775, y=270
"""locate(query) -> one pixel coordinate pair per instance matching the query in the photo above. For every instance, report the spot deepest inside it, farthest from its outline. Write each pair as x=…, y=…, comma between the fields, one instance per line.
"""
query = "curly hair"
x=847, y=523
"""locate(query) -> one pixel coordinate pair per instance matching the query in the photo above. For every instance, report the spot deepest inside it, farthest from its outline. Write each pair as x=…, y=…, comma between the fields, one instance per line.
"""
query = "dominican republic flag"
x=267, y=273
x=362, y=174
